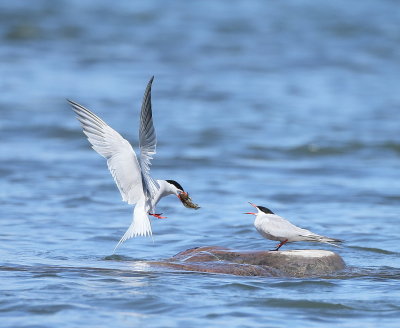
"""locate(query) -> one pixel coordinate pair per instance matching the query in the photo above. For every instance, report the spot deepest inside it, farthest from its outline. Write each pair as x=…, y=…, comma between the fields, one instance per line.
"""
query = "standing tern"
x=274, y=227
x=130, y=173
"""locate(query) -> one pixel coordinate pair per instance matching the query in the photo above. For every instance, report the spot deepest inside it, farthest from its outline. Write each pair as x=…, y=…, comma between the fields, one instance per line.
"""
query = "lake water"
x=294, y=105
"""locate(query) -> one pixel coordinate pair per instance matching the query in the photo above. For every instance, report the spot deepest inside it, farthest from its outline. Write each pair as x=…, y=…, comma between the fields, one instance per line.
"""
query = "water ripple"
x=304, y=304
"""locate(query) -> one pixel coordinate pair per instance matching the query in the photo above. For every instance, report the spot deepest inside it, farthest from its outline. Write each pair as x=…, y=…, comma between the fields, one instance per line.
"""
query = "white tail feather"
x=323, y=239
x=330, y=242
x=140, y=226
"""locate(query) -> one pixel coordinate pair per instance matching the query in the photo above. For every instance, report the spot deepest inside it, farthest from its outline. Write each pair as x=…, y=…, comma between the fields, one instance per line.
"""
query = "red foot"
x=158, y=216
x=280, y=244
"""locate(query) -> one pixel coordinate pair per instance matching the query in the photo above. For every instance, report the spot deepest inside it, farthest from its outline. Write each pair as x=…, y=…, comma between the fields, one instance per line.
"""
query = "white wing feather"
x=131, y=176
x=282, y=229
x=147, y=142
x=121, y=158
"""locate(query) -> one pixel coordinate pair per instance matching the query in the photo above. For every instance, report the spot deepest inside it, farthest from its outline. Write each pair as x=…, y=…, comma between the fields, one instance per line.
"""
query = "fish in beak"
x=187, y=201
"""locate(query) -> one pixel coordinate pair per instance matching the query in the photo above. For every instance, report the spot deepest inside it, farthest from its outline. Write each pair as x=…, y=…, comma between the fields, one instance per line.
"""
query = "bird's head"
x=183, y=196
x=175, y=187
x=260, y=209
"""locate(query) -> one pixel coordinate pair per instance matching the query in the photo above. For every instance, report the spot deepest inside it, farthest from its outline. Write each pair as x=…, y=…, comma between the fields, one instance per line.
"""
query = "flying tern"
x=274, y=227
x=131, y=173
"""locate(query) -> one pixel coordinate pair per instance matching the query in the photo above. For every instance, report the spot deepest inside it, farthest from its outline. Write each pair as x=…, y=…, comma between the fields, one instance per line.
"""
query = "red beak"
x=254, y=205
x=251, y=212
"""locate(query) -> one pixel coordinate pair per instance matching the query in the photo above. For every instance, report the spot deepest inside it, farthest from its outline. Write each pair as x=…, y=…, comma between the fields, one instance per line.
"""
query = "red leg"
x=158, y=215
x=280, y=244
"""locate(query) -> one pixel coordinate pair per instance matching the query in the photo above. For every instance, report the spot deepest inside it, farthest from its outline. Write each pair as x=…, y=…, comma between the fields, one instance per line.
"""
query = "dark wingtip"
x=148, y=87
x=72, y=103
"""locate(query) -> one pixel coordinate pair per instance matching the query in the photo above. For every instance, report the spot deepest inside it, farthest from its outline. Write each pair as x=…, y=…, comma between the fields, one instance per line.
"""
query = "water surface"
x=292, y=105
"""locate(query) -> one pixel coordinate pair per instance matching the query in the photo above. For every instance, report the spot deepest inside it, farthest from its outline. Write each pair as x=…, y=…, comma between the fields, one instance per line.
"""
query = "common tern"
x=131, y=173
x=274, y=227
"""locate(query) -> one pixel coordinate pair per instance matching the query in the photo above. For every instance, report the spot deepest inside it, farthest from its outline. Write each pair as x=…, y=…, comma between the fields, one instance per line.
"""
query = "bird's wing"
x=121, y=158
x=282, y=228
x=310, y=236
x=295, y=233
x=147, y=142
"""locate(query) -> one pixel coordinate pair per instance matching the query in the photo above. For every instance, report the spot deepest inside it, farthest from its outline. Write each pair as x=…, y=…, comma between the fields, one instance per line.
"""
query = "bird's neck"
x=165, y=190
x=261, y=218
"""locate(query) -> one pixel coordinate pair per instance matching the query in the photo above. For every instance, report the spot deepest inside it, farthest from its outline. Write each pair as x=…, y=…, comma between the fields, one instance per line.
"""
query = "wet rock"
x=222, y=267
x=294, y=263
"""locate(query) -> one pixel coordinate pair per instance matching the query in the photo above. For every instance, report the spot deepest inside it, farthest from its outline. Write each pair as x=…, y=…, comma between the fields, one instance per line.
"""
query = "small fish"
x=187, y=201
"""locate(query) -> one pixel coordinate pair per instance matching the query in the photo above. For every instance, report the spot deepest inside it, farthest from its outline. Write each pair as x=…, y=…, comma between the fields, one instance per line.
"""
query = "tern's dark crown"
x=176, y=184
x=265, y=210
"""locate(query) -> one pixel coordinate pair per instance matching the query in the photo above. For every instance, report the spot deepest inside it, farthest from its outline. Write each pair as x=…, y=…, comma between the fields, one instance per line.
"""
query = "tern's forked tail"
x=140, y=226
x=323, y=239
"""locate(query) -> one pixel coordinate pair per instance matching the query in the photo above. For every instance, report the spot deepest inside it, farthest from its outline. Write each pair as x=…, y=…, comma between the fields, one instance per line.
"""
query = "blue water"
x=294, y=105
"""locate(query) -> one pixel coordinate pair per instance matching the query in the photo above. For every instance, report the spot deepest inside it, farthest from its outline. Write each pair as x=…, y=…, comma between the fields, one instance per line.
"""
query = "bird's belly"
x=270, y=236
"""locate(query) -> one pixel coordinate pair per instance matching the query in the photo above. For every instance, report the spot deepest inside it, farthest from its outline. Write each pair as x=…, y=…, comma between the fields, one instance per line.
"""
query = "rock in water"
x=294, y=263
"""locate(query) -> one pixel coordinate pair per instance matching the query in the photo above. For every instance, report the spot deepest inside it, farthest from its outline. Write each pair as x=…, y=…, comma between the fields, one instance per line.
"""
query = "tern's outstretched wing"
x=121, y=158
x=147, y=142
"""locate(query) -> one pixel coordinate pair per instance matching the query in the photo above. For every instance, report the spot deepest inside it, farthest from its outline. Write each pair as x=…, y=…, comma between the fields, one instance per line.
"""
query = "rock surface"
x=294, y=263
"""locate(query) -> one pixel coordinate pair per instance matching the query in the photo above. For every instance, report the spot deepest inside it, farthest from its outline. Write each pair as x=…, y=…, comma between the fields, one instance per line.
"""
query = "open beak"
x=251, y=212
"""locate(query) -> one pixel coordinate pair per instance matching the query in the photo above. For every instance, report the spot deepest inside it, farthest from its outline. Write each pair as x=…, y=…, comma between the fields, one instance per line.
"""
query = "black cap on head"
x=265, y=210
x=176, y=184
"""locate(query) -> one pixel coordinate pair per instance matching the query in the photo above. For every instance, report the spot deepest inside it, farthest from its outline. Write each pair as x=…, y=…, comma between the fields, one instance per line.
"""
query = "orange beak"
x=251, y=212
